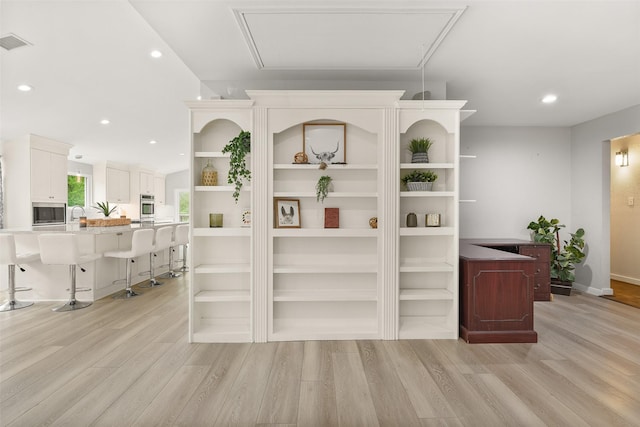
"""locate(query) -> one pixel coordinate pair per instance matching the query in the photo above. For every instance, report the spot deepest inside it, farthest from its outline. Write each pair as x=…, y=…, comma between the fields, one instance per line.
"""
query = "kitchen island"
x=50, y=282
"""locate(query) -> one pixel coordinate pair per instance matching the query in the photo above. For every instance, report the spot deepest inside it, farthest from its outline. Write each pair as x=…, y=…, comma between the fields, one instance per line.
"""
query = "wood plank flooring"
x=128, y=363
x=625, y=293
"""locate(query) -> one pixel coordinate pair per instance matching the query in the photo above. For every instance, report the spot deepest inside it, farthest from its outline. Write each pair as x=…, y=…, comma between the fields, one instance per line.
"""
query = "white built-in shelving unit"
x=265, y=283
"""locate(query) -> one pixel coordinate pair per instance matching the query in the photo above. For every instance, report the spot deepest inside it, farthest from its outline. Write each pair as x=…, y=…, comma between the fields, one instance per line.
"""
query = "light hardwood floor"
x=121, y=363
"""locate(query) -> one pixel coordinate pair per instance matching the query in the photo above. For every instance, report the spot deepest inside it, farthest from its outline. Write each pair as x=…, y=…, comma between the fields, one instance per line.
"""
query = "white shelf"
x=293, y=166
x=325, y=232
x=223, y=330
x=222, y=232
x=427, y=231
x=425, y=295
x=211, y=154
x=426, y=165
x=324, y=329
x=222, y=268
x=427, y=194
x=331, y=195
x=425, y=267
x=325, y=295
x=222, y=296
x=221, y=188
x=425, y=327
x=325, y=269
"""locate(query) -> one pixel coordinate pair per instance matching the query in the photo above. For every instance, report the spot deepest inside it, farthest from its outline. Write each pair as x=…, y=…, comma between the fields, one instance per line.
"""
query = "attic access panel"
x=339, y=39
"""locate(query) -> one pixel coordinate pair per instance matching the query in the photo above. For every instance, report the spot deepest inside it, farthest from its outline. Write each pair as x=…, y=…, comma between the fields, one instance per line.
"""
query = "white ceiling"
x=90, y=60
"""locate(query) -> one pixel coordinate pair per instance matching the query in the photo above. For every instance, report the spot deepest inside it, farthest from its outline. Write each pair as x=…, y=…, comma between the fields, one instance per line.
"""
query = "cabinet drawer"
x=541, y=253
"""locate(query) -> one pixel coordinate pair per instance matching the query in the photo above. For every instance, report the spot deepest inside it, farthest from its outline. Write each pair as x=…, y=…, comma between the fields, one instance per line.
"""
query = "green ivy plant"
x=238, y=148
x=565, y=258
x=105, y=209
x=322, y=187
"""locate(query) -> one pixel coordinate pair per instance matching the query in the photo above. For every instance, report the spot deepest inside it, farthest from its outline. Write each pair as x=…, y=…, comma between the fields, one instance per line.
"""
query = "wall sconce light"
x=622, y=158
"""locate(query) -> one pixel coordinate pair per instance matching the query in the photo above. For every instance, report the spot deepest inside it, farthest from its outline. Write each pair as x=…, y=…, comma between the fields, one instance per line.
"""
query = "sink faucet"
x=73, y=209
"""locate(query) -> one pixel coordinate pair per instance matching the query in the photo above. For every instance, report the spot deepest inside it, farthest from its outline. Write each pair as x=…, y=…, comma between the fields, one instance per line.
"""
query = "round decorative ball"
x=301, y=158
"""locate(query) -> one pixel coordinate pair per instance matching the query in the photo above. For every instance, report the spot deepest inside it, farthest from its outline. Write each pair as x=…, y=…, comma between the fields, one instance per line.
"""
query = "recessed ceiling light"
x=181, y=154
x=156, y=54
x=24, y=88
x=104, y=121
x=549, y=99
x=153, y=141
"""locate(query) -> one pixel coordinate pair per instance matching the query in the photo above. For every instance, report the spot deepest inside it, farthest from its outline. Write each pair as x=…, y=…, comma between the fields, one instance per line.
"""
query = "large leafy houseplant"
x=563, y=259
x=238, y=148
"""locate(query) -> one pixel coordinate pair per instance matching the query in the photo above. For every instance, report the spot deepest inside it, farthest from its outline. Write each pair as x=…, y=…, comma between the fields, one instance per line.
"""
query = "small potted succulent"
x=419, y=148
x=419, y=180
x=105, y=209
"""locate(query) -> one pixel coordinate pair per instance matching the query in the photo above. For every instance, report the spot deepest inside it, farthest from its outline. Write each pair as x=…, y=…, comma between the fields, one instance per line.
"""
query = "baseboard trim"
x=620, y=278
x=593, y=291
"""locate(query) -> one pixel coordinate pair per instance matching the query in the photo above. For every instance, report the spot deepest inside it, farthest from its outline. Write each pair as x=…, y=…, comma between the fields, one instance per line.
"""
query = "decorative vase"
x=209, y=174
x=215, y=220
x=420, y=158
x=412, y=220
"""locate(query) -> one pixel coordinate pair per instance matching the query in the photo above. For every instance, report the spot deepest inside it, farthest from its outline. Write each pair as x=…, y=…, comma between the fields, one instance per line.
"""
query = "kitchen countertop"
x=75, y=228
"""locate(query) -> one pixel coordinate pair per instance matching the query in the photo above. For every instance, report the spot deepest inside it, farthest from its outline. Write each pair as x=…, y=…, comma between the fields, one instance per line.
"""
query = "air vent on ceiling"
x=11, y=41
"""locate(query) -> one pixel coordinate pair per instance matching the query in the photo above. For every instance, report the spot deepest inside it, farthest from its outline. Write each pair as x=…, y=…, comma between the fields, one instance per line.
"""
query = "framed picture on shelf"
x=286, y=213
x=325, y=142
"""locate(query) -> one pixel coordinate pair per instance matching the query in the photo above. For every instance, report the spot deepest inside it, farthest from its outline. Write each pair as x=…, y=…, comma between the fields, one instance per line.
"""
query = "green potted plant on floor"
x=419, y=180
x=238, y=148
x=563, y=259
x=419, y=148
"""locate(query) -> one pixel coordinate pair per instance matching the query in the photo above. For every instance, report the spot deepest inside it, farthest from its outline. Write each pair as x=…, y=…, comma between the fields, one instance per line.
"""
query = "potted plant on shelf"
x=419, y=180
x=323, y=186
x=105, y=209
x=419, y=148
x=563, y=259
x=238, y=148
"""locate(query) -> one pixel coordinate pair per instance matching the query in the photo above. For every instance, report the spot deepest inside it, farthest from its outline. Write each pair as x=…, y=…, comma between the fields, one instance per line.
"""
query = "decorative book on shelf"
x=331, y=218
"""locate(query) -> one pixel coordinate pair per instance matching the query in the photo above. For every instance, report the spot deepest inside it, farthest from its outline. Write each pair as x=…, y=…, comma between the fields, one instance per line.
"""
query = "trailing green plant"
x=419, y=176
x=104, y=208
x=322, y=187
x=238, y=148
x=420, y=145
x=565, y=258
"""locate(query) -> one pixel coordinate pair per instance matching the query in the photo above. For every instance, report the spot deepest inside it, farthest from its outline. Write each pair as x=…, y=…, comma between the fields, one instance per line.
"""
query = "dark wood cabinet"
x=542, y=265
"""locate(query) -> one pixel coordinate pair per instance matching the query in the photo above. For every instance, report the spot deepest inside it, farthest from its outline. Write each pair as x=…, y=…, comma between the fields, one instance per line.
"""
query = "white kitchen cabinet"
x=48, y=176
x=159, y=189
x=267, y=283
x=146, y=183
x=117, y=185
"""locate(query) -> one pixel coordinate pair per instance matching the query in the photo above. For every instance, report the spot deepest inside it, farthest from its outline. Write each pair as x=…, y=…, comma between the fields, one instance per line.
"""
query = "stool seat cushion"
x=9, y=255
x=163, y=238
x=141, y=244
x=181, y=236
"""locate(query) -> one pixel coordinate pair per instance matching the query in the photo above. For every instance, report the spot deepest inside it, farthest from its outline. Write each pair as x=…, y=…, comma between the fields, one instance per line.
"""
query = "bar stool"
x=62, y=249
x=180, y=229
x=141, y=244
x=162, y=242
x=10, y=258
x=181, y=237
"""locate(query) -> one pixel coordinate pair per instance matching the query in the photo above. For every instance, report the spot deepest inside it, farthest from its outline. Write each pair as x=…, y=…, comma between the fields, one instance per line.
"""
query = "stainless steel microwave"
x=49, y=213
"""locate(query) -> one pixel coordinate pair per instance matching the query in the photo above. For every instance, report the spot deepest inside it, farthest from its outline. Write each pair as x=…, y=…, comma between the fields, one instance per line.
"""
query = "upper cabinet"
x=159, y=189
x=35, y=170
x=118, y=186
x=48, y=176
x=146, y=183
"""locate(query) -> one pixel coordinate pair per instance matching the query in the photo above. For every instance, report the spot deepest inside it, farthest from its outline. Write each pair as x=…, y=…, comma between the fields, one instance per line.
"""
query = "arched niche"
x=443, y=148
x=215, y=134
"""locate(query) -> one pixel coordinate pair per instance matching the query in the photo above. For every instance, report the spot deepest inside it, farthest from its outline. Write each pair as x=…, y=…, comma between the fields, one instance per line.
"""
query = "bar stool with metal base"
x=141, y=244
x=172, y=248
x=162, y=242
x=181, y=238
x=10, y=258
x=62, y=249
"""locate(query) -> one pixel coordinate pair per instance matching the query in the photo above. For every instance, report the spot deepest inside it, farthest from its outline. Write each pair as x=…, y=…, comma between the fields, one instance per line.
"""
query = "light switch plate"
x=630, y=201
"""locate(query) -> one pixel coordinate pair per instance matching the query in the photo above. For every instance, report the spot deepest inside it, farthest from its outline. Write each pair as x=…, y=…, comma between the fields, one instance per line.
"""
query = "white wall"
x=590, y=180
x=625, y=218
x=519, y=174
